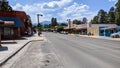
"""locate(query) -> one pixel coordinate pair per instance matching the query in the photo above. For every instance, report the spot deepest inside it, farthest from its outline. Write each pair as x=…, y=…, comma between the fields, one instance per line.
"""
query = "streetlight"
x=69, y=21
x=38, y=17
x=69, y=24
x=39, y=29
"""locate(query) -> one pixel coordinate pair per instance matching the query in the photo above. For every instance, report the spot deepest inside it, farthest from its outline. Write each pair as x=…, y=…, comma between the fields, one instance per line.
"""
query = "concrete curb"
x=12, y=54
x=15, y=52
x=95, y=37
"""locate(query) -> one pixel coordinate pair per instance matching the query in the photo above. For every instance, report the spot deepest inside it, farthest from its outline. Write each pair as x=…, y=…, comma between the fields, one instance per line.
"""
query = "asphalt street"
x=64, y=51
x=38, y=54
x=83, y=52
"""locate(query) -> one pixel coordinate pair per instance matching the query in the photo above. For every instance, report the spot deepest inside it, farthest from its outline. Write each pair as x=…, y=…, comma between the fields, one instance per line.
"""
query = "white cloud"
x=27, y=8
x=112, y=0
x=63, y=2
x=33, y=9
x=77, y=11
x=56, y=4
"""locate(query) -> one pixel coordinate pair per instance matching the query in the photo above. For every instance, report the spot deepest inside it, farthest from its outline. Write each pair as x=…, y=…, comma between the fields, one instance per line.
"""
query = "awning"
x=9, y=23
x=12, y=21
x=111, y=27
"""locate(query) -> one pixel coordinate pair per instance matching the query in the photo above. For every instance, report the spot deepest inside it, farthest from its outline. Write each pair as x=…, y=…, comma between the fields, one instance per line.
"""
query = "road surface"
x=83, y=52
x=64, y=51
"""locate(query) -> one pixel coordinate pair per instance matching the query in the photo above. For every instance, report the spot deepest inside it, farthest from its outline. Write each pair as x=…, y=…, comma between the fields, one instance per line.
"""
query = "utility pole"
x=69, y=23
x=38, y=17
x=39, y=27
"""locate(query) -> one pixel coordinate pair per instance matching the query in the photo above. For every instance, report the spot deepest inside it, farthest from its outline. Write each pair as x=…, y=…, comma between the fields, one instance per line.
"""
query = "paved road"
x=36, y=55
x=83, y=52
x=64, y=51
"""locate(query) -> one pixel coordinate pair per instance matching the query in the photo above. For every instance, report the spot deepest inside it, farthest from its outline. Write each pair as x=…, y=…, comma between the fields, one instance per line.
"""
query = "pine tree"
x=117, y=15
x=4, y=6
x=102, y=17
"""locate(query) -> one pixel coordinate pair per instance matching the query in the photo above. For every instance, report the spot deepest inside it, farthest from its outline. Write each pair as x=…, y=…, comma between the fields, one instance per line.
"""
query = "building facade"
x=21, y=15
x=98, y=29
x=11, y=27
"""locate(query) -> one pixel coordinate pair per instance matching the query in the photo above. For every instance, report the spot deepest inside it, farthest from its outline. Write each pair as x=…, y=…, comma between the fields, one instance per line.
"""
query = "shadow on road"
x=9, y=42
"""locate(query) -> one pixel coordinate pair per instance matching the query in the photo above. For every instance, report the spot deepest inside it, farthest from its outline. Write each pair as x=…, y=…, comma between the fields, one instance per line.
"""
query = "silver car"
x=115, y=35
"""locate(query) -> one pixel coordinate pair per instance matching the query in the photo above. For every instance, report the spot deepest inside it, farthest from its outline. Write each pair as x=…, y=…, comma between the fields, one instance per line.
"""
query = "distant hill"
x=34, y=24
x=44, y=22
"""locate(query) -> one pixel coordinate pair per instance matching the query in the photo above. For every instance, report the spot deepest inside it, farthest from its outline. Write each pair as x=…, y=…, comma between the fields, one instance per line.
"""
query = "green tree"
x=63, y=24
x=117, y=14
x=111, y=15
x=39, y=27
x=77, y=22
x=95, y=20
x=84, y=20
x=28, y=21
x=46, y=26
x=4, y=6
x=102, y=16
x=54, y=22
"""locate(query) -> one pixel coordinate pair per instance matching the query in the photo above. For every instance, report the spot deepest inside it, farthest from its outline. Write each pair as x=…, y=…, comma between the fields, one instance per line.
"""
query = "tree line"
x=110, y=17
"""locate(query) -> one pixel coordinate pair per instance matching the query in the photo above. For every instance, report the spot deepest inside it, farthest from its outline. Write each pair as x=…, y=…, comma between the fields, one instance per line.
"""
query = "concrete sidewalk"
x=101, y=37
x=11, y=47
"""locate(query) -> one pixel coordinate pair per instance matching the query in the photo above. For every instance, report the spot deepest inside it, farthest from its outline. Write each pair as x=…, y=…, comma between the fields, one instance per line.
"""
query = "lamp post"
x=39, y=26
x=38, y=17
x=69, y=21
x=69, y=24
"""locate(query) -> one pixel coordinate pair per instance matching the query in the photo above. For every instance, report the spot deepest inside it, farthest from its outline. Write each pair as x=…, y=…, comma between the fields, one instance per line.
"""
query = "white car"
x=115, y=35
x=64, y=32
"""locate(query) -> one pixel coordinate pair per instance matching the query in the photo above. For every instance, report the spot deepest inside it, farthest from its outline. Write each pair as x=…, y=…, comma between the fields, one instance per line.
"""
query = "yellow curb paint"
x=36, y=40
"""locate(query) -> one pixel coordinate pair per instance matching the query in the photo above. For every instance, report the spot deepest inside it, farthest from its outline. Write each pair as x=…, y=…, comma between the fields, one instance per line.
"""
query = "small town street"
x=83, y=52
x=64, y=51
x=59, y=34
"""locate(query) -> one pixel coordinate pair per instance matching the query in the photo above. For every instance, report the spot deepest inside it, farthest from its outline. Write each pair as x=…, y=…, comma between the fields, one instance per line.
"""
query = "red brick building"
x=18, y=14
x=10, y=27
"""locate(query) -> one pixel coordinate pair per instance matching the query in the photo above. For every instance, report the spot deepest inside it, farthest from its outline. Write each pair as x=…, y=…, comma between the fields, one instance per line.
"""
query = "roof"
x=17, y=22
x=112, y=27
x=19, y=14
x=101, y=25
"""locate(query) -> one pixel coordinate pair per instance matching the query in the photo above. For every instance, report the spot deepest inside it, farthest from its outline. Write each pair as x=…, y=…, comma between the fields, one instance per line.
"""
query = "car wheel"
x=112, y=36
x=117, y=36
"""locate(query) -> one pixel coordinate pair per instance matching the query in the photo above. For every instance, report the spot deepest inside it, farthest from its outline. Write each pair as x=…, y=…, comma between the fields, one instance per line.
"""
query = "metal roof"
x=17, y=22
x=111, y=27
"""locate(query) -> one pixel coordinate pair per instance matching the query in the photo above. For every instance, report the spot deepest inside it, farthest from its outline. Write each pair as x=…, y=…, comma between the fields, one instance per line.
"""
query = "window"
x=8, y=31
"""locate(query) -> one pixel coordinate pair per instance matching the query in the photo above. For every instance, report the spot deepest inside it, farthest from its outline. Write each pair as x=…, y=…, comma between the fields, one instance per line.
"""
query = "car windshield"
x=118, y=32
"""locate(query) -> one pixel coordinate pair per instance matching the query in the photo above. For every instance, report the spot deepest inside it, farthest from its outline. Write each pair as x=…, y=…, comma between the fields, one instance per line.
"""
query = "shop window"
x=8, y=31
x=102, y=31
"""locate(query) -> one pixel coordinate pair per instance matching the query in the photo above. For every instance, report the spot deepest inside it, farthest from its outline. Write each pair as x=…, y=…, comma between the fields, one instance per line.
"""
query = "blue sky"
x=61, y=9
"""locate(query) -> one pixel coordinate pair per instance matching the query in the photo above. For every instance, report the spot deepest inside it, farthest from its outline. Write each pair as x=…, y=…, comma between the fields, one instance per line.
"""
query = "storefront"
x=107, y=31
x=1, y=25
x=11, y=28
x=101, y=29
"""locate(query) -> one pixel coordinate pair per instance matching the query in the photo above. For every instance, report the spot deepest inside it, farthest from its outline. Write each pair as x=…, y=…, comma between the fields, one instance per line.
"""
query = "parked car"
x=115, y=35
x=64, y=32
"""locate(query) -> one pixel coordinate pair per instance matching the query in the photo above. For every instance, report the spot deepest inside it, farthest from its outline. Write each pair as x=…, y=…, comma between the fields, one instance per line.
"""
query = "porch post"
x=0, y=36
x=104, y=32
